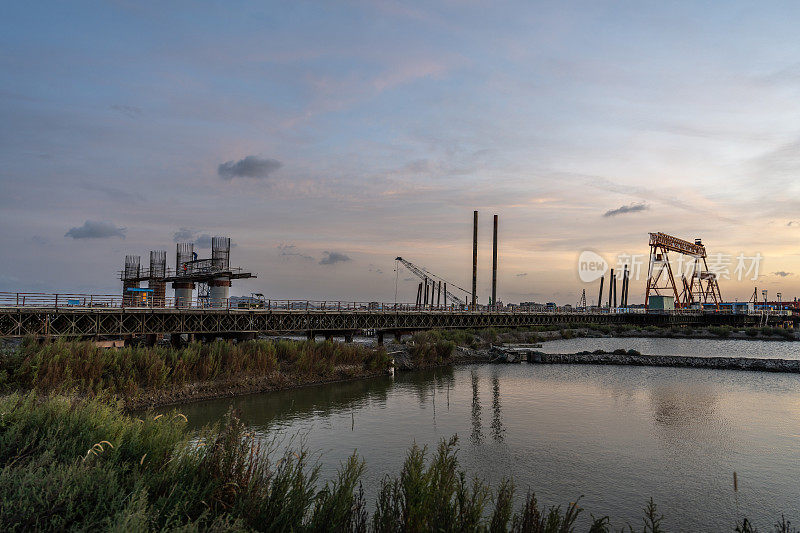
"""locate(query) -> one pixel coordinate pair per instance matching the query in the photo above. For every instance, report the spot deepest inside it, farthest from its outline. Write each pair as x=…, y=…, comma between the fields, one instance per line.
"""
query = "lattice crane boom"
x=425, y=274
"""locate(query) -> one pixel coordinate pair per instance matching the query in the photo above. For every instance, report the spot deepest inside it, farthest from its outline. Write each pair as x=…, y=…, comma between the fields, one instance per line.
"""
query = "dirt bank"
x=196, y=392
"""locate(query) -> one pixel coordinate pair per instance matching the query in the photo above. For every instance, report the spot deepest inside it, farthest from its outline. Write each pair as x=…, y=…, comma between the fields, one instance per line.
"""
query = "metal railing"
x=148, y=301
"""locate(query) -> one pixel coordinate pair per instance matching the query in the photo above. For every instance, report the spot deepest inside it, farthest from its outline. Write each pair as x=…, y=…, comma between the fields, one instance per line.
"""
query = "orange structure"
x=701, y=287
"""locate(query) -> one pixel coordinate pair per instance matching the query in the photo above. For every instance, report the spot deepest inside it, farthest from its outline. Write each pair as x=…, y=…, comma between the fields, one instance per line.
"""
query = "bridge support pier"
x=310, y=335
x=379, y=337
x=348, y=337
x=176, y=340
x=398, y=336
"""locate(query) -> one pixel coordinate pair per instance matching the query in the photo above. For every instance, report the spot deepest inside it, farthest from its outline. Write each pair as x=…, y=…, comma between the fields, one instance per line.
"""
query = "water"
x=616, y=435
x=673, y=346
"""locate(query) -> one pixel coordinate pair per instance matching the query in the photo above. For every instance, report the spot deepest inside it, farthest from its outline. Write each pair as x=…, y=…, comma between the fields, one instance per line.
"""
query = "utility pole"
x=494, y=265
x=474, y=258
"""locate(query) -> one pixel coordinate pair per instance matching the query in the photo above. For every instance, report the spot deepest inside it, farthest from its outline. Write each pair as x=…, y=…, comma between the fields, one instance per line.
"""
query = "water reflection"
x=477, y=432
x=686, y=415
x=261, y=410
x=497, y=410
x=617, y=435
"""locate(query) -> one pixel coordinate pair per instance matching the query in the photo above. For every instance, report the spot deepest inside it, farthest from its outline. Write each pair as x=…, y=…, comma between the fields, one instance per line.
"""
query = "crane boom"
x=424, y=274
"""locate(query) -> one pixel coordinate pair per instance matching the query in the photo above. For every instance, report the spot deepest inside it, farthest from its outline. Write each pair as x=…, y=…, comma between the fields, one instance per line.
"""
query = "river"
x=673, y=346
x=614, y=435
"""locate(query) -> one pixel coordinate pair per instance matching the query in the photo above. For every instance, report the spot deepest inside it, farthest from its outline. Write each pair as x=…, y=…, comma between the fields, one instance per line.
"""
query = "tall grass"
x=82, y=367
x=68, y=464
x=431, y=348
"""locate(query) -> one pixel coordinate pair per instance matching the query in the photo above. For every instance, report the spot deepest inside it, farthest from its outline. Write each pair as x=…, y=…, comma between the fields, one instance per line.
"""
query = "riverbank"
x=140, y=377
x=636, y=359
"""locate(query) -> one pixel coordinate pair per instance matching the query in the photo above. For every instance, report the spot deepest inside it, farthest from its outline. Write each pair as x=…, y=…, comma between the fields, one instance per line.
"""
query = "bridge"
x=91, y=317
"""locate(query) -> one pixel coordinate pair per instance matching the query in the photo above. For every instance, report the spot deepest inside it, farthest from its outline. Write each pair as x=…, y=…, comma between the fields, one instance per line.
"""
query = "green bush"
x=82, y=465
x=719, y=331
x=429, y=348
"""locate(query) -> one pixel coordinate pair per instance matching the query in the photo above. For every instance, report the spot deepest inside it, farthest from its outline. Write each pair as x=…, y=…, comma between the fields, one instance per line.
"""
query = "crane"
x=424, y=274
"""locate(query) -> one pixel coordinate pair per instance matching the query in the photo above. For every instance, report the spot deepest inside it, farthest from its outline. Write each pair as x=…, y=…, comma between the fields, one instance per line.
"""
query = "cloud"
x=249, y=167
x=184, y=235
x=38, y=239
x=92, y=229
x=290, y=250
x=114, y=193
x=331, y=258
x=522, y=274
x=127, y=110
x=375, y=268
x=793, y=224
x=782, y=274
x=202, y=240
x=624, y=209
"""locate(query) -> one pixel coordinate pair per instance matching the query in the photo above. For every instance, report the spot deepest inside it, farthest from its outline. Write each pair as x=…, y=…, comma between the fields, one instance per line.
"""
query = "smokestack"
x=611, y=284
x=625, y=287
x=614, y=286
x=494, y=265
x=600, y=296
x=474, y=258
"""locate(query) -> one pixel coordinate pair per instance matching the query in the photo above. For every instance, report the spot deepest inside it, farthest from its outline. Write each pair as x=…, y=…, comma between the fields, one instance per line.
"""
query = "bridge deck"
x=116, y=321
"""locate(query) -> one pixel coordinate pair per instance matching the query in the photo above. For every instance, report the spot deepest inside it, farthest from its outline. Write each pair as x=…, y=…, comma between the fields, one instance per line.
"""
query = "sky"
x=327, y=138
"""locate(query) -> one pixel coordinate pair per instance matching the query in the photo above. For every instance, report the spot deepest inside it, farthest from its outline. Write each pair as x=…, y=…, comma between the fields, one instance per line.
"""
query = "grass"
x=68, y=464
x=85, y=369
x=430, y=348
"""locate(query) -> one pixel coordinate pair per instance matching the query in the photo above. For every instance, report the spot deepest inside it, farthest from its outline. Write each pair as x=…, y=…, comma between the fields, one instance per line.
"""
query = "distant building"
x=661, y=303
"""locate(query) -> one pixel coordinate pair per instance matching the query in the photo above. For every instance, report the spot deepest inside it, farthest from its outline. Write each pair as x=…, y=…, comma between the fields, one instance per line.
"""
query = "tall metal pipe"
x=600, y=296
x=610, y=287
x=425, y=304
x=439, y=295
x=625, y=279
x=494, y=265
x=614, y=289
x=474, y=258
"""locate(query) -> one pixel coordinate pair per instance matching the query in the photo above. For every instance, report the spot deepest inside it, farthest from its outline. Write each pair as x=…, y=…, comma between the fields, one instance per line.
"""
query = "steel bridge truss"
x=91, y=323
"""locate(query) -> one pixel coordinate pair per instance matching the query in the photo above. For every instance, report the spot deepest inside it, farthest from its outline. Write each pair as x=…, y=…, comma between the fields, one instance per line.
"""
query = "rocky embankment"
x=720, y=363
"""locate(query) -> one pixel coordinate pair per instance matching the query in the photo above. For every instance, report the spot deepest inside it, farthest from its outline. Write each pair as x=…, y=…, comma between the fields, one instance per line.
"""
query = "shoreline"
x=755, y=364
x=199, y=392
x=502, y=353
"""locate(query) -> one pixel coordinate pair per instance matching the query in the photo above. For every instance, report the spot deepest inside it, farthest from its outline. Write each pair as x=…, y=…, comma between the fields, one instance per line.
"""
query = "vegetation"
x=720, y=331
x=430, y=348
x=85, y=369
x=84, y=465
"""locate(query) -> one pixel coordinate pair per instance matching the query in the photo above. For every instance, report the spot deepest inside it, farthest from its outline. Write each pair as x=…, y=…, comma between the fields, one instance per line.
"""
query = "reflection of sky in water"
x=672, y=346
x=615, y=435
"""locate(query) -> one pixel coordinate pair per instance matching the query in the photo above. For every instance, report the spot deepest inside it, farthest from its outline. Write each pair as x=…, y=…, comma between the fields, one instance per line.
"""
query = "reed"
x=85, y=369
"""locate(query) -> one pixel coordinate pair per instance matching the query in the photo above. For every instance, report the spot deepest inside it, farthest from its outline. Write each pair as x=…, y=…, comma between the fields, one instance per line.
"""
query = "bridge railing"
x=145, y=300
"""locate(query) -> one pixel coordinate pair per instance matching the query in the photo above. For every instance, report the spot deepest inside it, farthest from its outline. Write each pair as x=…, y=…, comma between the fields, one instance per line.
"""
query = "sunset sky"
x=327, y=138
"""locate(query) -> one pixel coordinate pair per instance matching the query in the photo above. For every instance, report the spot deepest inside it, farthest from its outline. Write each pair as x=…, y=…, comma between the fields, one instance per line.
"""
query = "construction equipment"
x=702, y=286
x=426, y=276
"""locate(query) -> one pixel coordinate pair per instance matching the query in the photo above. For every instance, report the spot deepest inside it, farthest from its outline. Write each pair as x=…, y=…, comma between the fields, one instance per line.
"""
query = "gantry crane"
x=702, y=287
x=427, y=276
